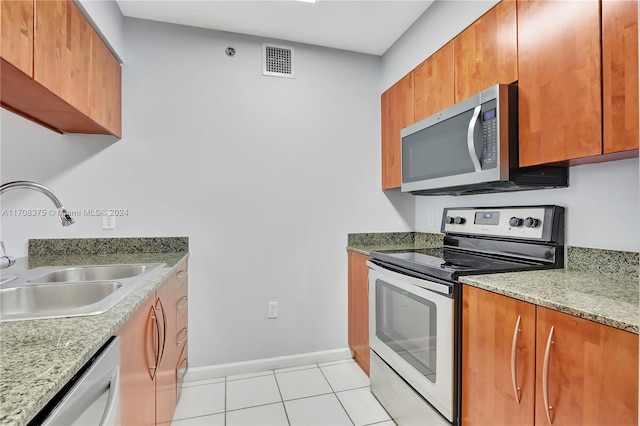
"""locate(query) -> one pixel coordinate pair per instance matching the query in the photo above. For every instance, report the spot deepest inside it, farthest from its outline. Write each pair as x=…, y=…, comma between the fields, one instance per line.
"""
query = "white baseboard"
x=222, y=370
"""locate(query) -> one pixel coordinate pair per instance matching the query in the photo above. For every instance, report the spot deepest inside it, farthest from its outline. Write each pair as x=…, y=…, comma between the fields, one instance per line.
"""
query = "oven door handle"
x=442, y=289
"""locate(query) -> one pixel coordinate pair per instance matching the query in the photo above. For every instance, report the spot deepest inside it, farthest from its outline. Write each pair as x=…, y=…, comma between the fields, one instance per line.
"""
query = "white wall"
x=601, y=205
x=602, y=201
x=265, y=175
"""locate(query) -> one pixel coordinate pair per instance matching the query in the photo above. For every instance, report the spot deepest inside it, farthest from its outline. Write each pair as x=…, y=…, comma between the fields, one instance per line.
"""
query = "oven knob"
x=449, y=219
x=531, y=222
x=515, y=221
x=459, y=220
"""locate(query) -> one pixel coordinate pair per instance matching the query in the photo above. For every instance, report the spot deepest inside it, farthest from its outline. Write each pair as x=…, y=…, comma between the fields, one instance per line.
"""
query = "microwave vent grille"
x=277, y=61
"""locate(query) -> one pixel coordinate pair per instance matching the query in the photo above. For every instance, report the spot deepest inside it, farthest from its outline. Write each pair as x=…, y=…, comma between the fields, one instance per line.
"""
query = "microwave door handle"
x=470, y=139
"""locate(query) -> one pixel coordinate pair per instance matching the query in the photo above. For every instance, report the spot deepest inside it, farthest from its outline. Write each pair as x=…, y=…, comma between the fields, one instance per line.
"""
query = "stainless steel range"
x=415, y=303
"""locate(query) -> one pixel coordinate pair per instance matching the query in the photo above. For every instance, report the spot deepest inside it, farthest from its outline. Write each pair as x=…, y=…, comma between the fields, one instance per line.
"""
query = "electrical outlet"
x=273, y=310
x=109, y=222
x=431, y=219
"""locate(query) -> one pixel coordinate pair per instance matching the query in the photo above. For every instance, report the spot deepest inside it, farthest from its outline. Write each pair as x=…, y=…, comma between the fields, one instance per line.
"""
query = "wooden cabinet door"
x=592, y=372
x=620, y=74
x=433, y=83
x=166, y=375
x=397, y=113
x=16, y=44
x=493, y=326
x=137, y=356
x=358, y=317
x=486, y=53
x=106, y=87
x=559, y=87
x=62, y=52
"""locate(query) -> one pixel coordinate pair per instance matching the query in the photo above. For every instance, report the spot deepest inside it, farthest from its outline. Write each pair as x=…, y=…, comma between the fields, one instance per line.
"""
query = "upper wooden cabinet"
x=559, y=80
x=397, y=108
x=433, y=83
x=56, y=71
x=576, y=83
x=106, y=87
x=486, y=52
x=16, y=44
x=620, y=74
x=62, y=46
x=520, y=359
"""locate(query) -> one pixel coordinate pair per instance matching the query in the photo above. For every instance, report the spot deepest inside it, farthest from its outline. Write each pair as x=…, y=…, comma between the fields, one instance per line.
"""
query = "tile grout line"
x=284, y=407
x=336, y=396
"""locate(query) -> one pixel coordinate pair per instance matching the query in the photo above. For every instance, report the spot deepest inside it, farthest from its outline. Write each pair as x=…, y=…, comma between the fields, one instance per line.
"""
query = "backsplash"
x=373, y=239
x=620, y=263
x=89, y=246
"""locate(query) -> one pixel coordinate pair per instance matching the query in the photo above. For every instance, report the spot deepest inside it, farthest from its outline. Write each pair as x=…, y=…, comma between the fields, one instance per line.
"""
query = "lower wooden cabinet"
x=138, y=347
x=153, y=355
x=517, y=371
x=359, y=308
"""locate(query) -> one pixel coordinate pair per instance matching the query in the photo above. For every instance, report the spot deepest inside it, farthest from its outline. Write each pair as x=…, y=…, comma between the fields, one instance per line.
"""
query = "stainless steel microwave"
x=472, y=147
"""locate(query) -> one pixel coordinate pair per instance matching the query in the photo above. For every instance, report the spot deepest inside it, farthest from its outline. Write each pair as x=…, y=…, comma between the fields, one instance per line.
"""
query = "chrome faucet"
x=65, y=217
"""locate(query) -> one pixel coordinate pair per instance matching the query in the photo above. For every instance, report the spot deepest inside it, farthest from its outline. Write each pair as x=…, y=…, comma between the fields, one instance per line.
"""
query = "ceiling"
x=366, y=26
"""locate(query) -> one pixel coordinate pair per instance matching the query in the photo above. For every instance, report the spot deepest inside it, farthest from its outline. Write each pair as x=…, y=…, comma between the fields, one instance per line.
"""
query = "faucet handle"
x=5, y=261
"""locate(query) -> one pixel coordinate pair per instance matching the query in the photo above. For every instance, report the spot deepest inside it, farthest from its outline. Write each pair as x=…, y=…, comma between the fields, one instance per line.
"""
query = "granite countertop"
x=38, y=357
x=598, y=285
x=365, y=243
x=603, y=298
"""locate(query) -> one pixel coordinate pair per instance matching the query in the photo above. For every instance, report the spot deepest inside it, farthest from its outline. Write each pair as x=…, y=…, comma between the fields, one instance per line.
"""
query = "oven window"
x=406, y=323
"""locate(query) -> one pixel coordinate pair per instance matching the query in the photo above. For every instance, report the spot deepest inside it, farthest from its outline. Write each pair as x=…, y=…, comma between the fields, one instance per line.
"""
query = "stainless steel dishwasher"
x=93, y=398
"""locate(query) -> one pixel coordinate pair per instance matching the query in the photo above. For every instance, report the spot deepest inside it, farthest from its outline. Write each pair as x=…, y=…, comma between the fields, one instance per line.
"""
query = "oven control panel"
x=510, y=222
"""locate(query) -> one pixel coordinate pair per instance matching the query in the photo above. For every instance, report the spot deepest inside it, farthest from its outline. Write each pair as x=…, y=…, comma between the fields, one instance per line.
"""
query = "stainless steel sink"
x=68, y=291
x=53, y=298
x=92, y=273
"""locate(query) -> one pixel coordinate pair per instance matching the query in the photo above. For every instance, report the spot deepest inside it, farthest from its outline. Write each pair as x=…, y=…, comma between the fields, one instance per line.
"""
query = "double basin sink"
x=68, y=291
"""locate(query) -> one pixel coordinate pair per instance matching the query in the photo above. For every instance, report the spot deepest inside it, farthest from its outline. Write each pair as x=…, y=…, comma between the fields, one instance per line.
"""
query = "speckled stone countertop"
x=603, y=298
x=38, y=357
x=365, y=243
x=598, y=285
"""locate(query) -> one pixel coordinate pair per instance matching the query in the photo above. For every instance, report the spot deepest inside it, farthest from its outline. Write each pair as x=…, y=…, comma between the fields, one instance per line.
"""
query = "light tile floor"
x=333, y=393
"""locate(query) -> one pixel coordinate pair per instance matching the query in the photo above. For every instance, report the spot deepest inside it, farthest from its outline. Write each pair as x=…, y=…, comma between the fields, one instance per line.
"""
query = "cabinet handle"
x=183, y=332
x=164, y=330
x=182, y=273
x=184, y=362
x=545, y=376
x=179, y=305
x=156, y=342
x=471, y=143
x=514, y=352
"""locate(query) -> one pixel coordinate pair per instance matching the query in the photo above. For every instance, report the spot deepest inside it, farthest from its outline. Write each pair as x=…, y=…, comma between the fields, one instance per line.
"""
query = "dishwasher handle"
x=84, y=401
x=111, y=415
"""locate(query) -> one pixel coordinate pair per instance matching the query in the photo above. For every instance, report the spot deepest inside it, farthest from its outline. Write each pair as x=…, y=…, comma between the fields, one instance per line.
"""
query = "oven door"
x=411, y=327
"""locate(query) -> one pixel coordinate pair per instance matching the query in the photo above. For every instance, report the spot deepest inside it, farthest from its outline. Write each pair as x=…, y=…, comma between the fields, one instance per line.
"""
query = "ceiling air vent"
x=277, y=61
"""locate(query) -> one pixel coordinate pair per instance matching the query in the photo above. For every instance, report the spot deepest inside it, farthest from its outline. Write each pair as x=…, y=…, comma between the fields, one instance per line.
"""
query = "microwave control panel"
x=489, y=120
